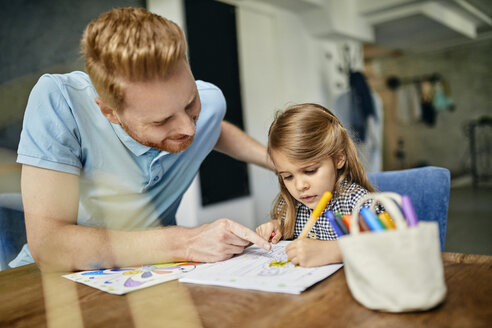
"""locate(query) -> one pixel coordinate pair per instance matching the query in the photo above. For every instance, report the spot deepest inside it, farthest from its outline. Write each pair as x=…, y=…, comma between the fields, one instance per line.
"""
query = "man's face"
x=162, y=113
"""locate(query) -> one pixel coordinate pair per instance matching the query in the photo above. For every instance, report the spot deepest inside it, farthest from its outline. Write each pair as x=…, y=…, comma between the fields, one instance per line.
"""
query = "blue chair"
x=12, y=228
x=428, y=188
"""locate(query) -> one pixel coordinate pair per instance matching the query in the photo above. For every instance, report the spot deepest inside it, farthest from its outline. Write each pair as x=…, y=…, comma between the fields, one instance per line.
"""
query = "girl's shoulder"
x=352, y=190
x=345, y=200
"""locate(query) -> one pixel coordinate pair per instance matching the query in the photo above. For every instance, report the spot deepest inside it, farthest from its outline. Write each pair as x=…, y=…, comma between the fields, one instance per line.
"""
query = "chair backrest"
x=428, y=188
x=12, y=228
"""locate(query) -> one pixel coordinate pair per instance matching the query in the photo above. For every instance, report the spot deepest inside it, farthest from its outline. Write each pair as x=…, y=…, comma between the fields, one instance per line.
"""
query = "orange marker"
x=346, y=220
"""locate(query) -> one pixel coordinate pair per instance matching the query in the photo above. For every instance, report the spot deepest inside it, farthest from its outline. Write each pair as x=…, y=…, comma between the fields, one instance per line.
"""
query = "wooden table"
x=31, y=299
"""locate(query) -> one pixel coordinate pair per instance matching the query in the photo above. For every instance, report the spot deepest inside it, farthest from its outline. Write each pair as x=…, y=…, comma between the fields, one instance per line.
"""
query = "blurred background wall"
x=37, y=37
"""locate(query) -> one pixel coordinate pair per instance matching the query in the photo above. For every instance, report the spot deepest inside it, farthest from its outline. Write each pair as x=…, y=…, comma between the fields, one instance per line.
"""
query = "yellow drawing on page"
x=278, y=263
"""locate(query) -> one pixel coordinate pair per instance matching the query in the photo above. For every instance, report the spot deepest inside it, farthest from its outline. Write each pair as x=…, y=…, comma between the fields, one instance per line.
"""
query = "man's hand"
x=220, y=240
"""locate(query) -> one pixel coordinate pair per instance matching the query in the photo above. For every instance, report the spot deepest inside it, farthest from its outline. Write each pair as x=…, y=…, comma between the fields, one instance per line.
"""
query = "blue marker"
x=408, y=211
x=371, y=219
x=331, y=218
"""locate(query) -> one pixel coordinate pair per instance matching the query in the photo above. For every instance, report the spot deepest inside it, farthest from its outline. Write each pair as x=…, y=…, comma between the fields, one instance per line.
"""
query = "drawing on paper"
x=254, y=270
x=278, y=263
x=123, y=280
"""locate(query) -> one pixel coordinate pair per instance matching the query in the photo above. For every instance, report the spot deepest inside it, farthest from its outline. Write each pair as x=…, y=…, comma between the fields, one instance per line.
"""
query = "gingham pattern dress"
x=341, y=202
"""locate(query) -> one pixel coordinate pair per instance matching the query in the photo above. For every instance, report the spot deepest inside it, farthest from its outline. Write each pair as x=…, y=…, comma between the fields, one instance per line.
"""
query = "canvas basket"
x=395, y=270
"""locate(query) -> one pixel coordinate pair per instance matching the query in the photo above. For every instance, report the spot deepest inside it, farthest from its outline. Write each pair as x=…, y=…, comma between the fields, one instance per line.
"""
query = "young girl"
x=312, y=153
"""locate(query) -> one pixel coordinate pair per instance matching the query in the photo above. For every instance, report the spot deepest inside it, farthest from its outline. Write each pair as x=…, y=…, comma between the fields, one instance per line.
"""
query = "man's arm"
x=237, y=144
x=57, y=243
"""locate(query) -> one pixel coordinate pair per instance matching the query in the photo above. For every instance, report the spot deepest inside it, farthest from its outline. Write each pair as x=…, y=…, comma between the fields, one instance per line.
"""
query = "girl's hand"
x=311, y=252
x=270, y=231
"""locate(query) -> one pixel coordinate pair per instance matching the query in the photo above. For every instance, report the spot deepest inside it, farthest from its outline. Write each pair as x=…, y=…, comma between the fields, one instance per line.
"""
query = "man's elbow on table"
x=43, y=252
x=51, y=245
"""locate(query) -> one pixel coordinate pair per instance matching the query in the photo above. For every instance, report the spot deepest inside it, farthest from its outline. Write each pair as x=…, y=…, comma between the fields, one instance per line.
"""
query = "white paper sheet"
x=253, y=270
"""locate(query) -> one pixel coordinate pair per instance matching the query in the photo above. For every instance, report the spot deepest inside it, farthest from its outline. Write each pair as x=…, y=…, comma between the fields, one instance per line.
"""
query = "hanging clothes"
x=419, y=99
x=428, y=110
x=441, y=100
x=408, y=104
x=370, y=151
x=428, y=113
x=362, y=104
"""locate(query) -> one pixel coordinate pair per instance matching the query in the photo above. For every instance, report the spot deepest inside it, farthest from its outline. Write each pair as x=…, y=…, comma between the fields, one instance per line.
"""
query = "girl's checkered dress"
x=343, y=202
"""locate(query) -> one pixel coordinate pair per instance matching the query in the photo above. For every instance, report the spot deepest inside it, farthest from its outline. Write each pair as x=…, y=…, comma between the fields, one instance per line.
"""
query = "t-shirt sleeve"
x=50, y=137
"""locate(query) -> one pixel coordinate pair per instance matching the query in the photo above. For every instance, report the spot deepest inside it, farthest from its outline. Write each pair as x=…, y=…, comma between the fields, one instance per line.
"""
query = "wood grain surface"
x=29, y=298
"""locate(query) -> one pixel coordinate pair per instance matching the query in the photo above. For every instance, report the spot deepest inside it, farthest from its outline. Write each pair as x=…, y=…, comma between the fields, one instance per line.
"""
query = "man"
x=106, y=160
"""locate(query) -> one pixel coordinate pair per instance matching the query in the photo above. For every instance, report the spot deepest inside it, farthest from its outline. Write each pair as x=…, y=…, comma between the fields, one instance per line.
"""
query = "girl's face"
x=308, y=181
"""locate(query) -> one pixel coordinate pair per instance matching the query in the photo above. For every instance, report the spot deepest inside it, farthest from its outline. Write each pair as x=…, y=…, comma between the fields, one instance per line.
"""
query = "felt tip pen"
x=325, y=199
x=339, y=221
x=371, y=219
x=387, y=221
x=363, y=225
x=381, y=223
x=331, y=218
x=408, y=211
x=346, y=219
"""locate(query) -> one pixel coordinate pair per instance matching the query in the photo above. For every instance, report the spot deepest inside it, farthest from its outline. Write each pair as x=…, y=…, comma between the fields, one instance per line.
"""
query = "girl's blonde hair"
x=311, y=133
x=129, y=45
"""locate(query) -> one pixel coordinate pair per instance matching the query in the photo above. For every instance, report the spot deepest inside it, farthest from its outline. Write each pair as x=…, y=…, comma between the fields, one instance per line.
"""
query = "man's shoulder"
x=207, y=86
x=77, y=80
x=63, y=93
x=212, y=99
x=209, y=91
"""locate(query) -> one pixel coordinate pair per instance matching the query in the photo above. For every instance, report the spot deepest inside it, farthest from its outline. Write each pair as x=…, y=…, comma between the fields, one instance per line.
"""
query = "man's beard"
x=165, y=145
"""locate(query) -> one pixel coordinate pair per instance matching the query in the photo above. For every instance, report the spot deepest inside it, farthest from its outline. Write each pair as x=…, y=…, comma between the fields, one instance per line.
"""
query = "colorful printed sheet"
x=123, y=280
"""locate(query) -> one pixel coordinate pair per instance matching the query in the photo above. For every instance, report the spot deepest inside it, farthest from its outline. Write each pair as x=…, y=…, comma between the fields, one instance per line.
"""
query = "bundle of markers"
x=398, y=266
x=369, y=221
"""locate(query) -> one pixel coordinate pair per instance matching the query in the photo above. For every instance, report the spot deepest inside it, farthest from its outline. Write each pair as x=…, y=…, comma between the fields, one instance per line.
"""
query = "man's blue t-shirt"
x=123, y=184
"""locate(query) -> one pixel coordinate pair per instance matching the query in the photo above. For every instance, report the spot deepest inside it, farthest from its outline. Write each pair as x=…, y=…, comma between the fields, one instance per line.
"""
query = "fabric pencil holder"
x=398, y=270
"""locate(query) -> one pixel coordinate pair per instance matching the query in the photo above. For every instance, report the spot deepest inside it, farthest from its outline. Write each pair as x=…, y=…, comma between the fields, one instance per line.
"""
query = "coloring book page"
x=123, y=280
x=259, y=269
